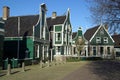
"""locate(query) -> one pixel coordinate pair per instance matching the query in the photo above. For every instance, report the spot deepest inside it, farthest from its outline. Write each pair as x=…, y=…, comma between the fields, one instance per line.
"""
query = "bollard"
x=8, y=69
x=41, y=64
x=48, y=63
x=23, y=67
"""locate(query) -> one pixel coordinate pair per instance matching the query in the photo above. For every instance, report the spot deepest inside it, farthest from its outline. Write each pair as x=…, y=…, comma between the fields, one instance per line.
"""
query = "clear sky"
x=80, y=15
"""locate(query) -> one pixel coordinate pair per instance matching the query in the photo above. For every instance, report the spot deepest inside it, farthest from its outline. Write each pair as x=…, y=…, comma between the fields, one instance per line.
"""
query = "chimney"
x=106, y=27
x=54, y=14
x=5, y=12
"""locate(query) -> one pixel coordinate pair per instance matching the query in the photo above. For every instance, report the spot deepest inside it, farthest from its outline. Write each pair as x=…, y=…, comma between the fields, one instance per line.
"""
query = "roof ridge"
x=24, y=15
x=58, y=16
x=94, y=27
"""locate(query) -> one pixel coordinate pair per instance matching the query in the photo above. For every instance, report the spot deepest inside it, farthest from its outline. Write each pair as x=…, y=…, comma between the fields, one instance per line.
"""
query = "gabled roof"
x=54, y=21
x=117, y=40
x=26, y=25
x=90, y=32
x=74, y=34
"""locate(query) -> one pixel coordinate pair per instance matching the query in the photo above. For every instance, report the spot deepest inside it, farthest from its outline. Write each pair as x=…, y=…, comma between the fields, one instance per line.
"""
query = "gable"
x=90, y=32
x=58, y=20
x=67, y=23
x=102, y=34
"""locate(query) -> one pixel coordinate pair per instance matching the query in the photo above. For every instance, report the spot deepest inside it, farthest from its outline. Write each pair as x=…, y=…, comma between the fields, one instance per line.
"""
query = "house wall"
x=11, y=47
x=117, y=53
x=1, y=50
x=101, y=51
x=1, y=43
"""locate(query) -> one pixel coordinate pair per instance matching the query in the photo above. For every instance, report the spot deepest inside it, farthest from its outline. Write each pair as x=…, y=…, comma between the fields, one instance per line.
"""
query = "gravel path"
x=96, y=70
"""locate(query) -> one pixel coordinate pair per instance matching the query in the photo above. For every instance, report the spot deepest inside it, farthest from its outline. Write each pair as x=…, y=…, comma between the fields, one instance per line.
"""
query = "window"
x=58, y=36
x=37, y=51
x=105, y=40
x=58, y=49
x=27, y=53
x=94, y=50
x=108, y=50
x=98, y=39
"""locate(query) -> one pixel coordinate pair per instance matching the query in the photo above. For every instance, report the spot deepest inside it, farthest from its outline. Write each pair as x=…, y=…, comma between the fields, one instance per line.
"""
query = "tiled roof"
x=74, y=34
x=117, y=40
x=54, y=21
x=26, y=25
x=90, y=32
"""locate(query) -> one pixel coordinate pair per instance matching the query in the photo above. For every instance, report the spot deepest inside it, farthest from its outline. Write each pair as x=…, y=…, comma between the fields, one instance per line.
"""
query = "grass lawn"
x=48, y=73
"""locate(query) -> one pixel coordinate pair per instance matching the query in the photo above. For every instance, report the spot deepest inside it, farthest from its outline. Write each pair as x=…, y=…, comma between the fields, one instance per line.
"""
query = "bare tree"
x=80, y=42
x=106, y=11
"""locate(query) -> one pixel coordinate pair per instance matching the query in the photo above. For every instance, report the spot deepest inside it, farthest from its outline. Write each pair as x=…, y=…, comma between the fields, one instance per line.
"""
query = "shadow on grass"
x=106, y=70
x=14, y=72
x=27, y=69
x=2, y=74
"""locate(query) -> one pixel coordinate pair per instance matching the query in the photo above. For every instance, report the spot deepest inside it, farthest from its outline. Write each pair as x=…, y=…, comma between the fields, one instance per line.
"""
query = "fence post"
x=41, y=64
x=23, y=66
x=8, y=69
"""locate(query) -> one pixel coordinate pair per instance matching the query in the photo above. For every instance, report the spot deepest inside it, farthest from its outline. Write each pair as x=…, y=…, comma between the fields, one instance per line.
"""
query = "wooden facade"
x=60, y=35
x=100, y=42
x=1, y=42
x=27, y=37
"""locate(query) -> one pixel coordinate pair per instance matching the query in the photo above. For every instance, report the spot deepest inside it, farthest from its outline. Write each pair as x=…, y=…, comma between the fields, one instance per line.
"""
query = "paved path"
x=96, y=70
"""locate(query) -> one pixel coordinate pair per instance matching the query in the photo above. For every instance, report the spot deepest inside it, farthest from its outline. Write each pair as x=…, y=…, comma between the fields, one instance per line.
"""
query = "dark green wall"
x=110, y=42
x=11, y=48
x=1, y=50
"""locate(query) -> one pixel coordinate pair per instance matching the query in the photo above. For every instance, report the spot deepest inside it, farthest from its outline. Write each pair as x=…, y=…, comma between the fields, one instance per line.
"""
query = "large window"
x=58, y=36
x=105, y=40
x=98, y=39
x=37, y=51
x=108, y=50
x=94, y=51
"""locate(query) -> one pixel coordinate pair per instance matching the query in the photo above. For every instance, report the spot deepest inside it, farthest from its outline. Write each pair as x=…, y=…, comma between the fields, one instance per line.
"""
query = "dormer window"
x=105, y=39
x=98, y=39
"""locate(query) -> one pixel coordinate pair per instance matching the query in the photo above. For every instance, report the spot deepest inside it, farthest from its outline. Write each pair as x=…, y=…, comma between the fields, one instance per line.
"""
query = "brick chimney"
x=6, y=12
x=54, y=14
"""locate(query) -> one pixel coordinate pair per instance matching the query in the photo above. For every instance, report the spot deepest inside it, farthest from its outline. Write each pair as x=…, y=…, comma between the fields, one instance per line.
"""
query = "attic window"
x=105, y=40
x=98, y=39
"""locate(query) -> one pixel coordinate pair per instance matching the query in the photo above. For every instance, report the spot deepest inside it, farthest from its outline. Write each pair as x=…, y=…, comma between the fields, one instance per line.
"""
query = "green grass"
x=48, y=73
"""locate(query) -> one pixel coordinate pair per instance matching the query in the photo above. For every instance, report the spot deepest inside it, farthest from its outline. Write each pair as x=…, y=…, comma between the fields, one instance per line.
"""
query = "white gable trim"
x=98, y=30
x=108, y=34
x=95, y=32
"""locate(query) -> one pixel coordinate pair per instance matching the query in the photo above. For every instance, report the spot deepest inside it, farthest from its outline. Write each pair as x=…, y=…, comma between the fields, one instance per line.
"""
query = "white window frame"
x=56, y=37
x=105, y=39
x=98, y=40
x=37, y=50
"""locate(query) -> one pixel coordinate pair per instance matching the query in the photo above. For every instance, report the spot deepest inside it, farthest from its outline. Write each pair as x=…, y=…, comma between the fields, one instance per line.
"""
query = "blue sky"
x=80, y=15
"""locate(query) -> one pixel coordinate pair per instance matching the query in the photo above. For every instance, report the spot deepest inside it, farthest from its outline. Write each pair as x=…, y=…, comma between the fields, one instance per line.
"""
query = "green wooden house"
x=116, y=38
x=60, y=35
x=81, y=48
x=100, y=42
x=27, y=37
x=1, y=42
